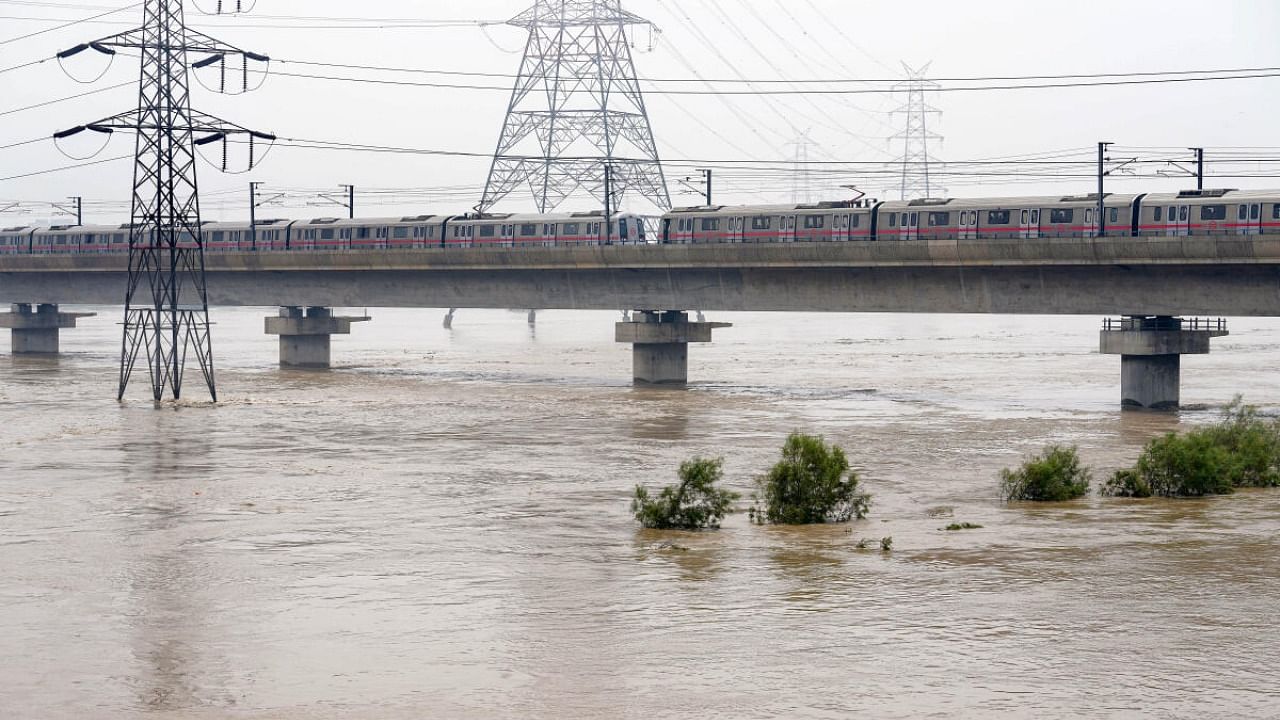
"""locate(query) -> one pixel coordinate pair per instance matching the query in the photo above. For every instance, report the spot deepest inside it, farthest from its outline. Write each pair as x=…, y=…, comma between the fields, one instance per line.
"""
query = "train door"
x=968, y=225
x=1178, y=220
x=911, y=226
x=1029, y=224
x=1249, y=219
x=787, y=229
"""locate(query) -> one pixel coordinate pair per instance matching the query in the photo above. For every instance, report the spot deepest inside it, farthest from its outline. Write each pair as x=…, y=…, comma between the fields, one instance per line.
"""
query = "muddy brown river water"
x=438, y=528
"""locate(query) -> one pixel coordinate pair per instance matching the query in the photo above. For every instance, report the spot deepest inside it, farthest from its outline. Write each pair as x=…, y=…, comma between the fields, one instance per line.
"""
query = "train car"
x=225, y=237
x=517, y=230
x=1210, y=212
x=16, y=240
x=820, y=222
x=76, y=239
x=1013, y=217
x=394, y=233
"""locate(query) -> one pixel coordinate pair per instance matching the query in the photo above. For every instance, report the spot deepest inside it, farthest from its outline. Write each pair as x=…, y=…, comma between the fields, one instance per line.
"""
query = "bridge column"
x=1151, y=350
x=36, y=332
x=660, y=344
x=305, y=336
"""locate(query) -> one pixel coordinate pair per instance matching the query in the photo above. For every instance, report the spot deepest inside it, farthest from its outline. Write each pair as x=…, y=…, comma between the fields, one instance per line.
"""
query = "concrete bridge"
x=1162, y=278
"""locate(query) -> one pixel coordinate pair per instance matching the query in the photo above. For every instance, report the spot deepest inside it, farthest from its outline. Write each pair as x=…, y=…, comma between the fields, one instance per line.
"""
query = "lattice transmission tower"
x=166, y=303
x=915, y=160
x=577, y=118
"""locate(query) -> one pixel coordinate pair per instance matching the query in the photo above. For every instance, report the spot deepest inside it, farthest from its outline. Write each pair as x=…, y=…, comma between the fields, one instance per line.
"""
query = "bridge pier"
x=305, y=336
x=1151, y=350
x=660, y=344
x=35, y=332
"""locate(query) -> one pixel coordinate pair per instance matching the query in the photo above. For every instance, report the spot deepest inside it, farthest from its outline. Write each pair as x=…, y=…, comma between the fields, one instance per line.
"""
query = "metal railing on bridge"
x=1165, y=324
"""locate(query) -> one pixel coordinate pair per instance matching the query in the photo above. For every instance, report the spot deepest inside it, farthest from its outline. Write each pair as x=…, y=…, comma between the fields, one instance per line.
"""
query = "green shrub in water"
x=1241, y=450
x=1052, y=476
x=694, y=503
x=811, y=484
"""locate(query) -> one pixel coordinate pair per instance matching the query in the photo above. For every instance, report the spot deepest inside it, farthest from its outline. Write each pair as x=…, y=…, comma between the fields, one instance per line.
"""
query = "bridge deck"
x=1219, y=275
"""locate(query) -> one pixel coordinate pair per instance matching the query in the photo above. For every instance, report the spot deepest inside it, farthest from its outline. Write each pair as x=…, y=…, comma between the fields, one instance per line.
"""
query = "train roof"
x=1000, y=203
x=768, y=209
x=1211, y=196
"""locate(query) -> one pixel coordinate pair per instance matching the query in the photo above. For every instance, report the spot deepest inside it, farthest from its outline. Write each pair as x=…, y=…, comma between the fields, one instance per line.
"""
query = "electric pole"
x=608, y=203
x=347, y=200
x=253, y=215
x=75, y=208
x=1199, y=167
x=166, y=301
x=1102, y=220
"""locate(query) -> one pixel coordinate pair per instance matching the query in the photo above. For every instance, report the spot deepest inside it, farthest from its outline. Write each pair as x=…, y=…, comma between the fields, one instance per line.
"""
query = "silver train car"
x=1191, y=212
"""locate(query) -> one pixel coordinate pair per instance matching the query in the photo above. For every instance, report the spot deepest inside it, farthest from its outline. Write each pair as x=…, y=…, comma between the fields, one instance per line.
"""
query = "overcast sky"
x=718, y=39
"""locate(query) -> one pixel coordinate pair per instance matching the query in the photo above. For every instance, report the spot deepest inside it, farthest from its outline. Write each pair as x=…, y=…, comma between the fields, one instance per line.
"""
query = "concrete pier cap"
x=305, y=335
x=1151, y=350
x=660, y=344
x=34, y=328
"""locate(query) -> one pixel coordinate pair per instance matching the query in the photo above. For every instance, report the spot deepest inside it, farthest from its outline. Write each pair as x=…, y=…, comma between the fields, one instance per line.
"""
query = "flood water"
x=438, y=528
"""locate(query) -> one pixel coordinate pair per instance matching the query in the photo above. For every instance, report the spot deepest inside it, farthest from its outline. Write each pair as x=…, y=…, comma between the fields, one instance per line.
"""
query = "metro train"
x=1191, y=212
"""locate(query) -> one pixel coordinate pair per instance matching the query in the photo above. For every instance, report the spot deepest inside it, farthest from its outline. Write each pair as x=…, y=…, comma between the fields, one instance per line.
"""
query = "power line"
x=805, y=91
x=64, y=99
x=69, y=24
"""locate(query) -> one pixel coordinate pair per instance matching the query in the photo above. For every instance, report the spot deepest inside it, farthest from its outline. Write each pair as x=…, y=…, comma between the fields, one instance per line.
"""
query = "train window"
x=571, y=228
x=857, y=220
x=1207, y=212
x=1275, y=211
x=710, y=224
x=400, y=233
x=216, y=236
x=1182, y=214
x=814, y=222
x=487, y=230
x=362, y=233
x=938, y=219
x=1088, y=216
x=1255, y=211
x=893, y=219
x=1024, y=217
x=761, y=223
x=915, y=219
x=1160, y=213
x=528, y=229
x=1243, y=212
x=1001, y=217
x=326, y=234
x=1035, y=217
x=1062, y=216
x=1114, y=215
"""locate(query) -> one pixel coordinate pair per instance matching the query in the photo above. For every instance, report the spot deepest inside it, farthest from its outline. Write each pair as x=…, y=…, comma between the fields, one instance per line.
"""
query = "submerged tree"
x=812, y=483
x=1052, y=476
x=694, y=503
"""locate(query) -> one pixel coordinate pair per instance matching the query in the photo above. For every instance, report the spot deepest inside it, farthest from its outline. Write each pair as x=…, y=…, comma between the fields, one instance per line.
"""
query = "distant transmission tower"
x=576, y=110
x=166, y=305
x=801, y=180
x=916, y=182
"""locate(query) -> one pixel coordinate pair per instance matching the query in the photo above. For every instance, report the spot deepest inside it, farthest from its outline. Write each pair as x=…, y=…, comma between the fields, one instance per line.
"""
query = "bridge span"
x=1155, y=277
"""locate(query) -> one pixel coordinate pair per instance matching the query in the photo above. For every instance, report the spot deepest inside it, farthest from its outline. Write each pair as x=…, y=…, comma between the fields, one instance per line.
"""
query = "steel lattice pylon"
x=166, y=304
x=575, y=109
x=916, y=182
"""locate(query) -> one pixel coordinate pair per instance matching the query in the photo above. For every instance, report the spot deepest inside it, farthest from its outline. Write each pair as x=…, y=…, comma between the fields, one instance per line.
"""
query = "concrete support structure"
x=304, y=336
x=35, y=332
x=660, y=344
x=1151, y=350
